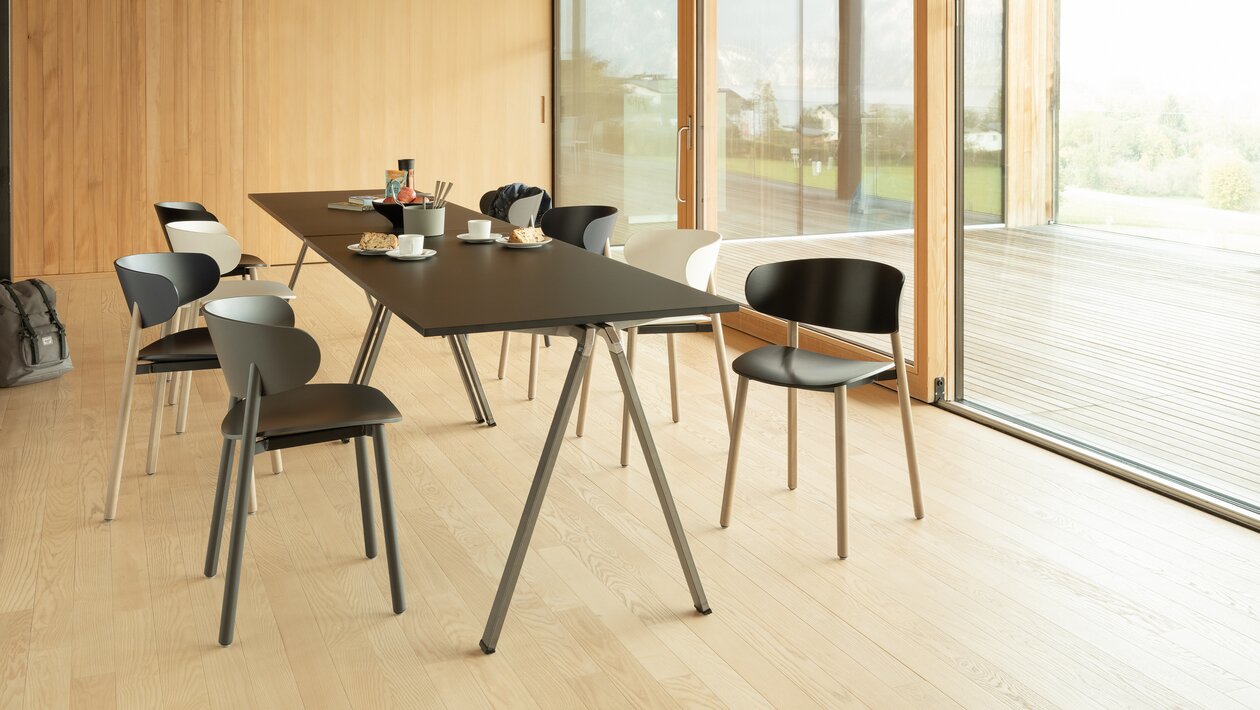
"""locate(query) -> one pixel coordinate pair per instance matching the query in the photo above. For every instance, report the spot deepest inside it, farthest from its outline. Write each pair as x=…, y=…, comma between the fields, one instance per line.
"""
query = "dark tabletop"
x=307, y=214
x=479, y=288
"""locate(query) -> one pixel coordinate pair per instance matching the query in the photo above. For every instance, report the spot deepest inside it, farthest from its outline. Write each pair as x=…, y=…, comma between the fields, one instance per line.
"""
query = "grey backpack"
x=33, y=344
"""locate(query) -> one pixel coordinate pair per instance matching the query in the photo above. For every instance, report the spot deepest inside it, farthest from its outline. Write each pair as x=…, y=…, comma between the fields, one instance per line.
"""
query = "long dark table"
x=557, y=290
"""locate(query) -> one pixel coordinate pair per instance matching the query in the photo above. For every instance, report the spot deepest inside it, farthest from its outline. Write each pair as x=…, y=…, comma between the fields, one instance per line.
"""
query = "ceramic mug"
x=410, y=244
x=479, y=228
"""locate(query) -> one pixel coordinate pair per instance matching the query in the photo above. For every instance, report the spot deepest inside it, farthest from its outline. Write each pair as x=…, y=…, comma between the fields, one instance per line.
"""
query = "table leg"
x=655, y=466
x=368, y=337
x=475, y=379
x=538, y=489
x=370, y=363
x=297, y=266
x=462, y=364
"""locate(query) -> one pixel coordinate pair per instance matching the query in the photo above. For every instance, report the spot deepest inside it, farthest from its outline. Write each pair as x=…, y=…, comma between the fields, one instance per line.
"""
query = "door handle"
x=678, y=163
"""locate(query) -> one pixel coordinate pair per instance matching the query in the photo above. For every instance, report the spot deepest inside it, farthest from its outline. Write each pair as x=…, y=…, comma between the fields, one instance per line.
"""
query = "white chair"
x=687, y=256
x=212, y=239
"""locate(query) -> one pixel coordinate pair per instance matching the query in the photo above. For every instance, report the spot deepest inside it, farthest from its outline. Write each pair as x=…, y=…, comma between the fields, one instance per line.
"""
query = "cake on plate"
x=378, y=240
x=527, y=235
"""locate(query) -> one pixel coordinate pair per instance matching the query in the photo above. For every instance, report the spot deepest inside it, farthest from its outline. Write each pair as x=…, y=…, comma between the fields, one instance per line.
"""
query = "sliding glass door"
x=1117, y=307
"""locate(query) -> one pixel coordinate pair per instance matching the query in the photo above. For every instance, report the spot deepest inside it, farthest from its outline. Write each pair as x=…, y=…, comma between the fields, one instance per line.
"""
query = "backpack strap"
x=52, y=317
x=28, y=332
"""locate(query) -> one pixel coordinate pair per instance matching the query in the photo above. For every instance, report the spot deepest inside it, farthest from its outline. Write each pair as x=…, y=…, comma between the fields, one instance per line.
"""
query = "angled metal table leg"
x=657, y=469
x=538, y=489
x=470, y=367
x=370, y=363
x=369, y=336
x=297, y=266
x=460, y=363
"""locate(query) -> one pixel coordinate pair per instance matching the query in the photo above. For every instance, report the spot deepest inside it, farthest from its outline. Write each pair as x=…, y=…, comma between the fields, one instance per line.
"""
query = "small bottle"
x=408, y=164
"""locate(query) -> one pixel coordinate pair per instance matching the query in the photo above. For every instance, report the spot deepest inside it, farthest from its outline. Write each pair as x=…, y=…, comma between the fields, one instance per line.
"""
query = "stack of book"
x=355, y=203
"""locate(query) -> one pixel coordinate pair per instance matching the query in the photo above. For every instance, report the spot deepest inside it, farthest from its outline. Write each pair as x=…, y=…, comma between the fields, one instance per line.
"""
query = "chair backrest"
x=487, y=202
x=525, y=210
x=685, y=255
x=586, y=226
x=168, y=212
x=258, y=331
x=158, y=284
x=846, y=294
x=205, y=237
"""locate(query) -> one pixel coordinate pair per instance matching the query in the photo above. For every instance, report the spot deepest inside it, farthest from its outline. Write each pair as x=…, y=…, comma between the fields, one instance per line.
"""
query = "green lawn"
x=895, y=182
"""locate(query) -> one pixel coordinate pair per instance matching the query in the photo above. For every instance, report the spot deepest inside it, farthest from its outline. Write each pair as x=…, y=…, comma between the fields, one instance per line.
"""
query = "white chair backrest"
x=520, y=211
x=685, y=255
x=205, y=237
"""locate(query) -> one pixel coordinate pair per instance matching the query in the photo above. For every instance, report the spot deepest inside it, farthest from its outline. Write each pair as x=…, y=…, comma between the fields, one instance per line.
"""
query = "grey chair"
x=845, y=294
x=168, y=212
x=268, y=365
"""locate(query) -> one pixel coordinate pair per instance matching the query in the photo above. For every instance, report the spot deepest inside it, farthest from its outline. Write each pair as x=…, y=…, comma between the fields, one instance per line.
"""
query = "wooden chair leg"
x=907, y=426
x=791, y=440
x=181, y=421
x=392, y=558
x=176, y=379
x=124, y=415
x=732, y=456
x=842, y=461
x=277, y=462
x=632, y=337
x=673, y=376
x=503, y=354
x=719, y=344
x=586, y=395
x=155, y=421
x=533, y=366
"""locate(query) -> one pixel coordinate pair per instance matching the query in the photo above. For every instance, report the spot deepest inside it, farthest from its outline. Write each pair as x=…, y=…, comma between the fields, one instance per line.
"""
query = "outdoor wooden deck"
x=1139, y=347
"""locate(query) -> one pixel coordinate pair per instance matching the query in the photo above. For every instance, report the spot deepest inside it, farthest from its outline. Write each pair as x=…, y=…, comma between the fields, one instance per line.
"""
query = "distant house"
x=823, y=122
x=988, y=140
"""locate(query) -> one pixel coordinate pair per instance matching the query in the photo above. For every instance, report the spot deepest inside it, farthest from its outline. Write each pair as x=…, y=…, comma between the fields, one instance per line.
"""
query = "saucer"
x=366, y=252
x=526, y=245
x=478, y=240
x=424, y=254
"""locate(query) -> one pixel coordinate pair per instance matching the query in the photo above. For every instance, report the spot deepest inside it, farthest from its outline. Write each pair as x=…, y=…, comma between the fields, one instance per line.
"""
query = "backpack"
x=33, y=345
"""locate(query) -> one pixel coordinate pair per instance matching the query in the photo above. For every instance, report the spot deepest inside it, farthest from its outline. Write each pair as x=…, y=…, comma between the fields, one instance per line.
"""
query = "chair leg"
x=253, y=493
x=673, y=376
x=124, y=415
x=842, y=462
x=586, y=395
x=533, y=366
x=503, y=354
x=175, y=379
x=277, y=462
x=907, y=426
x=546, y=341
x=365, y=497
x=732, y=456
x=791, y=442
x=236, y=546
x=221, y=487
x=632, y=337
x=155, y=422
x=181, y=421
x=719, y=344
x=388, y=521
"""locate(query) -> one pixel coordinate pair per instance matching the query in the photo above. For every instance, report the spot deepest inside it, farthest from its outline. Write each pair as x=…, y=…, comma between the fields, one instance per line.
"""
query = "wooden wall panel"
x=120, y=103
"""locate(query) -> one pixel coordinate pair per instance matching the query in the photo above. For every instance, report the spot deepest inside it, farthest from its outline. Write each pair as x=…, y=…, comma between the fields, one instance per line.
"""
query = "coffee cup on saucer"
x=479, y=228
x=410, y=244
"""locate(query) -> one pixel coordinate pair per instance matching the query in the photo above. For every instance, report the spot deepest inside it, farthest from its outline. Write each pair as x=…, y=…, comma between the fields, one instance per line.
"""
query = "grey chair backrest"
x=856, y=295
x=158, y=284
x=168, y=212
x=586, y=226
x=258, y=331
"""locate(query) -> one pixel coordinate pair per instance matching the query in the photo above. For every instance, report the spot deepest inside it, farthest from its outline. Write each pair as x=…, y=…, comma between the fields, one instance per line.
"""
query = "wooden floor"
x=1139, y=347
x=1033, y=582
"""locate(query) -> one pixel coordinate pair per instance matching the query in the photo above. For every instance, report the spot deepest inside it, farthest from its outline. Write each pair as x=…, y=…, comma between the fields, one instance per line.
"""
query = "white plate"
x=366, y=252
x=424, y=254
x=478, y=240
x=527, y=245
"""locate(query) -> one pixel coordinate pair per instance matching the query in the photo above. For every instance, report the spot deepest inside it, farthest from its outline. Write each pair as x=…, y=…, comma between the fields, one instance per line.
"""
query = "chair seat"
x=232, y=289
x=677, y=324
x=191, y=344
x=315, y=408
x=802, y=369
x=248, y=261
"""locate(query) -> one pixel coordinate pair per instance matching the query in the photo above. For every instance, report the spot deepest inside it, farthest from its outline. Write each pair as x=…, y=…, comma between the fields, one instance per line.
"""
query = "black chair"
x=155, y=287
x=268, y=364
x=168, y=212
x=845, y=294
x=587, y=226
x=520, y=213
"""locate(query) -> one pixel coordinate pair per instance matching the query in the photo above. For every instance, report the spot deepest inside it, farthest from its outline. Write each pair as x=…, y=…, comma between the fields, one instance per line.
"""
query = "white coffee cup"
x=410, y=244
x=479, y=228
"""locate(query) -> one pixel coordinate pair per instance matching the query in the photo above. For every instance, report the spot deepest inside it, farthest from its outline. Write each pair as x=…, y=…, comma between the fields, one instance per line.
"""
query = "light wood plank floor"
x=1033, y=582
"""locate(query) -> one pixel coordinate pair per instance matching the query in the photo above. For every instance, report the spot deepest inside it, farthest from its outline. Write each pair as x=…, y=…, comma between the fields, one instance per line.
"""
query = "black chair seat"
x=315, y=408
x=248, y=261
x=191, y=344
x=802, y=369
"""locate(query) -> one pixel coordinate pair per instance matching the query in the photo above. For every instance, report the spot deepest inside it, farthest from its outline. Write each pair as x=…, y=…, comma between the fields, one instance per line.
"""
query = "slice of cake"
x=526, y=235
x=377, y=240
